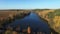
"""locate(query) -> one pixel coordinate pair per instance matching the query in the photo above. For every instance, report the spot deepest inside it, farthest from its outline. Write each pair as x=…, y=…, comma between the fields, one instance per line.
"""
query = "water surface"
x=36, y=23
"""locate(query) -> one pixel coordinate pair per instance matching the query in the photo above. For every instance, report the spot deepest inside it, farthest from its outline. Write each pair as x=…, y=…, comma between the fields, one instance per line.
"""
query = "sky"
x=29, y=4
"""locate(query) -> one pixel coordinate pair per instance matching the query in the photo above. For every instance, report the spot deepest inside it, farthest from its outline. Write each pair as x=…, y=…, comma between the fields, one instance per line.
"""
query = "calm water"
x=35, y=23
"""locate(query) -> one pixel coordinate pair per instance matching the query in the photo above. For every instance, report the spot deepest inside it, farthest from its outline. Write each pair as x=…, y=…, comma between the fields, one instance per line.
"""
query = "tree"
x=51, y=15
x=57, y=12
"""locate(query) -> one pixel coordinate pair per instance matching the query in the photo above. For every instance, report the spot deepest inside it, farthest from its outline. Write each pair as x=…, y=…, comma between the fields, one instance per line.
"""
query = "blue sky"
x=29, y=4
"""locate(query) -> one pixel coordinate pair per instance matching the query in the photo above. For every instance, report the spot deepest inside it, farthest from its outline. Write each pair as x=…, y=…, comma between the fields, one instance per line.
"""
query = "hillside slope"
x=53, y=18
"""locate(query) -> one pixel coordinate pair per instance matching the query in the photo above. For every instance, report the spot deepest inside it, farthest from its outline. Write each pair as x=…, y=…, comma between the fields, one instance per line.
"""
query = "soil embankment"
x=51, y=18
x=7, y=16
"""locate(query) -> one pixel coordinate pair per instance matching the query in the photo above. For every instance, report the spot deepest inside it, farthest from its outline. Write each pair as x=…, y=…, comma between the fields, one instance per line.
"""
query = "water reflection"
x=36, y=24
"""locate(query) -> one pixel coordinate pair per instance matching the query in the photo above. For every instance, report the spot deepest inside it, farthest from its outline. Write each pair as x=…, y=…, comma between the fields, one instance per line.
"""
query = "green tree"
x=57, y=12
x=51, y=15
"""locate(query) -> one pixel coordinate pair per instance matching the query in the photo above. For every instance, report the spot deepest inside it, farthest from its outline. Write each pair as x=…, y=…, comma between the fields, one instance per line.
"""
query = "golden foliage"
x=56, y=19
x=57, y=23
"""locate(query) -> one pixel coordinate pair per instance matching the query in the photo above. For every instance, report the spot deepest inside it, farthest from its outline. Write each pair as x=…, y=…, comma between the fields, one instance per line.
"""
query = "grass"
x=53, y=18
x=7, y=16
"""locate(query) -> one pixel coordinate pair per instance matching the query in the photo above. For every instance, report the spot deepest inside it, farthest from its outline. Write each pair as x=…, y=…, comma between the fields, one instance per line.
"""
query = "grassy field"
x=53, y=18
x=7, y=16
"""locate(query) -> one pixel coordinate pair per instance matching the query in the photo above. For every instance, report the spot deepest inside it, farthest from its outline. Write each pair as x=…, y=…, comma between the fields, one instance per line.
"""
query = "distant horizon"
x=26, y=9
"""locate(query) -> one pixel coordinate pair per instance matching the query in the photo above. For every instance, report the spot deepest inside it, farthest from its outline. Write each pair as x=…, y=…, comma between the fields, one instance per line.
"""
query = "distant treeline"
x=40, y=9
x=15, y=10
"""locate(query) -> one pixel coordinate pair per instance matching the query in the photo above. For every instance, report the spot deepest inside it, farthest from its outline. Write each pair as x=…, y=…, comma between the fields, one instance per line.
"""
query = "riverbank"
x=44, y=16
x=7, y=16
x=36, y=24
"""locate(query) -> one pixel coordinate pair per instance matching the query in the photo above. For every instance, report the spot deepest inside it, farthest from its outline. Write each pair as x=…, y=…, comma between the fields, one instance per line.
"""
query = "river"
x=33, y=20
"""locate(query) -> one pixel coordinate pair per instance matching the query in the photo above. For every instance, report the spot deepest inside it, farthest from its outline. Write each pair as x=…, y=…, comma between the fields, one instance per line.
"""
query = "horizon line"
x=29, y=9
